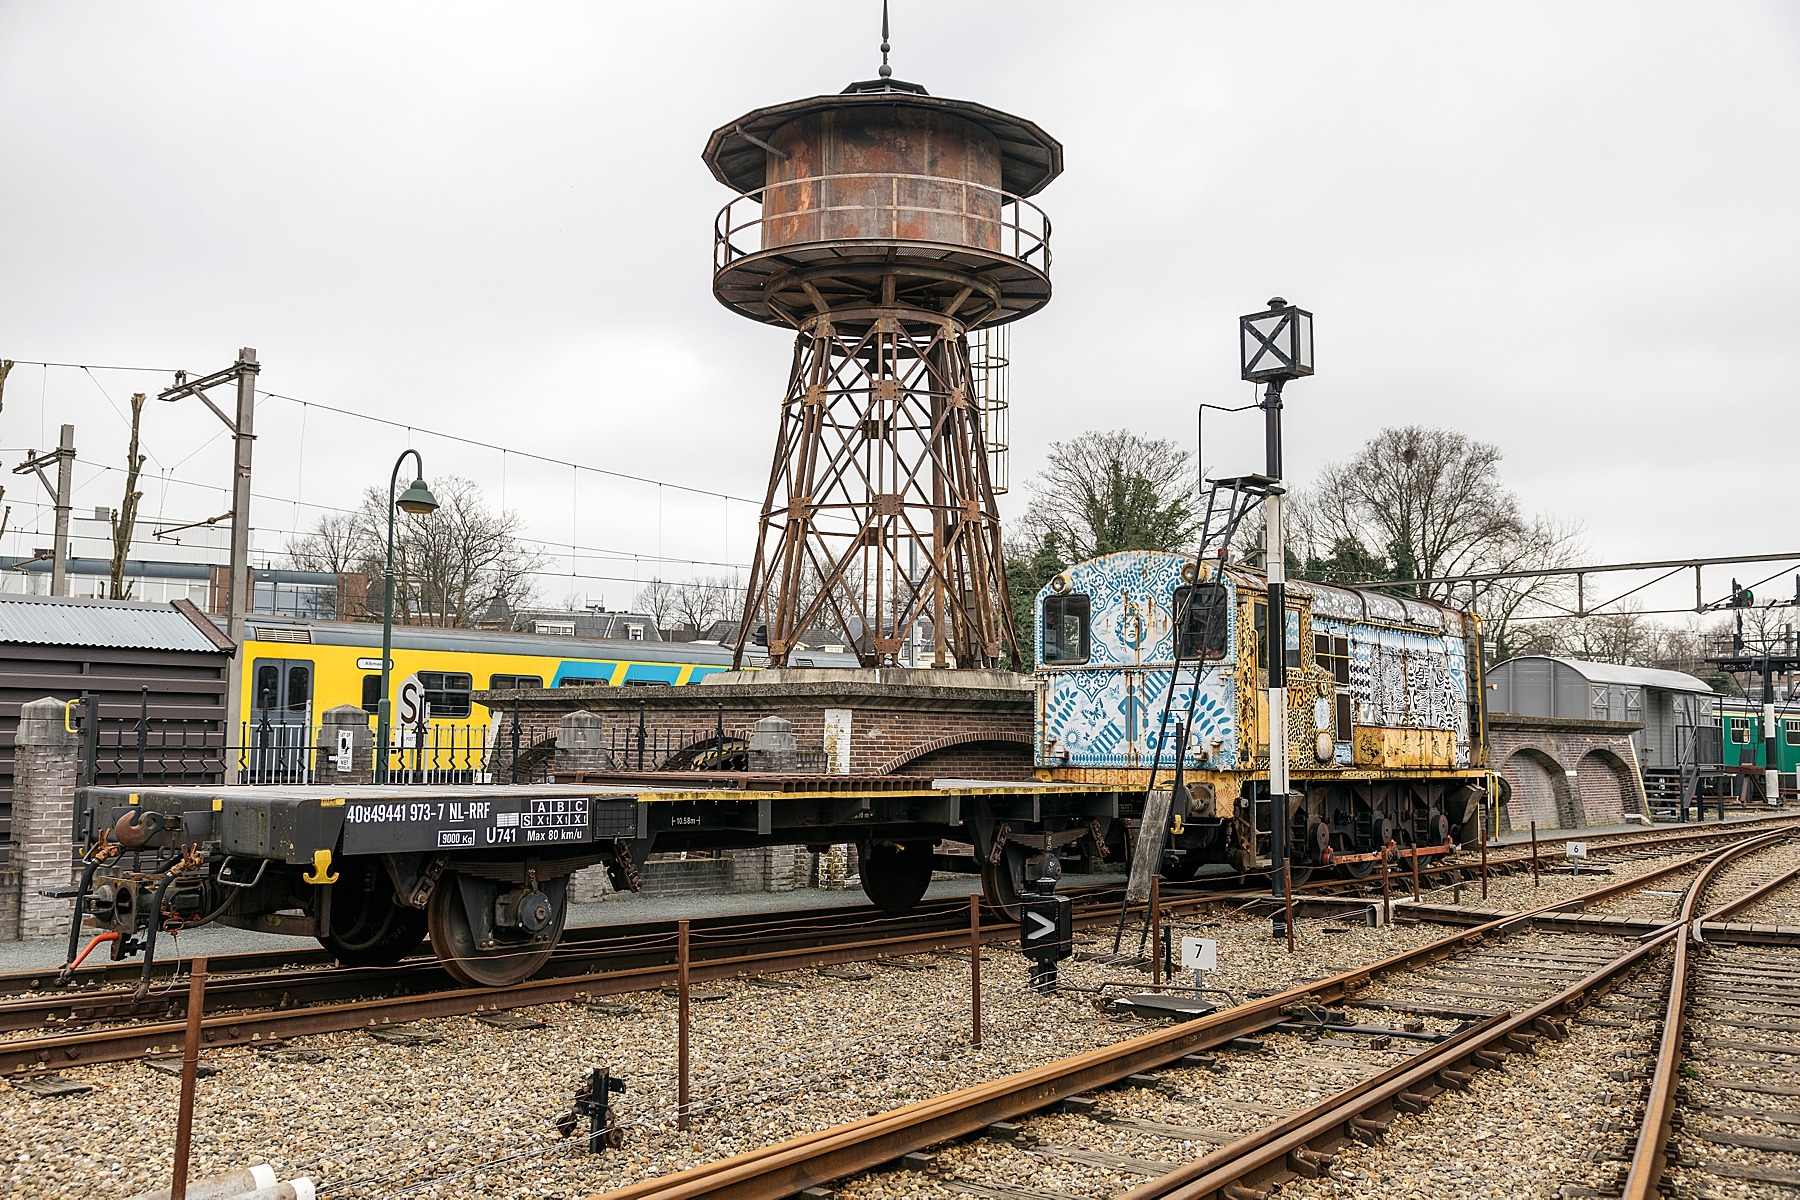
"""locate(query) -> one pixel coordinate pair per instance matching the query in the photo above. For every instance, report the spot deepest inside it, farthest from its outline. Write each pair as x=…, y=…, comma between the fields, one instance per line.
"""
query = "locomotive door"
x=278, y=746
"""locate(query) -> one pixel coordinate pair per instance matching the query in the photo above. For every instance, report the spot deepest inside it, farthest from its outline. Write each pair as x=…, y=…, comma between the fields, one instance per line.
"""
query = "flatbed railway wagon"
x=1151, y=659
x=372, y=871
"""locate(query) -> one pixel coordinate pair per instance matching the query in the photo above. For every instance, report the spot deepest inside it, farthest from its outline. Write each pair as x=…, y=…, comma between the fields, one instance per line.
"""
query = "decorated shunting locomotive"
x=1149, y=660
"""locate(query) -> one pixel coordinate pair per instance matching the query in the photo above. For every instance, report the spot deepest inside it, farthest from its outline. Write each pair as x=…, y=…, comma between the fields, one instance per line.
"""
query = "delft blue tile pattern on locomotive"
x=1108, y=711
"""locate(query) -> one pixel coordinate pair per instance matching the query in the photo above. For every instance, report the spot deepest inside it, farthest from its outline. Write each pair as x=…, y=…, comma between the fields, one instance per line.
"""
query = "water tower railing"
x=1014, y=219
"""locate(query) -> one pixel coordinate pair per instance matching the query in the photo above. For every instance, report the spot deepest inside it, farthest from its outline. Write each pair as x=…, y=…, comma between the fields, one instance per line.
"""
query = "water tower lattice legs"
x=880, y=508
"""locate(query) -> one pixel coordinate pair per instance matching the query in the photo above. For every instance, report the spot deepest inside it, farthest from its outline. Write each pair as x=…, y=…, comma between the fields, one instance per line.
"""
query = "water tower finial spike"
x=886, y=71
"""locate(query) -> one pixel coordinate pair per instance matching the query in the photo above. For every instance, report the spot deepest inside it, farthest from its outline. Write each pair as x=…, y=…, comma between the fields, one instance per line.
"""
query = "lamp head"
x=1276, y=344
x=417, y=499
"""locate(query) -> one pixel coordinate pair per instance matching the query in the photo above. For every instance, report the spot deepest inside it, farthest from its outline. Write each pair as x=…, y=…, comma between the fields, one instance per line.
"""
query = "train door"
x=278, y=746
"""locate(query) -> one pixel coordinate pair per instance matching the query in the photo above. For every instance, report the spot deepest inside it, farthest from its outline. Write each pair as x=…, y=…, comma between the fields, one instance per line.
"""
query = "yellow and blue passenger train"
x=295, y=669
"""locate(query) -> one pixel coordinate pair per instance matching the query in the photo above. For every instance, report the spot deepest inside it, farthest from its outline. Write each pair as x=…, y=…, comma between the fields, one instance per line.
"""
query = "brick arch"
x=914, y=753
x=1608, y=786
x=1540, y=790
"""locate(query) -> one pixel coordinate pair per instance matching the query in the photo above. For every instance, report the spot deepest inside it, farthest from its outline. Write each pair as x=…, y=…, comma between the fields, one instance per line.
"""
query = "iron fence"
x=185, y=752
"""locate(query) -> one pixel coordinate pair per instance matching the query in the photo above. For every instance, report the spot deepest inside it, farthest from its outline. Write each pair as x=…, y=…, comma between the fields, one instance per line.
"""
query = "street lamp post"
x=1274, y=347
x=417, y=500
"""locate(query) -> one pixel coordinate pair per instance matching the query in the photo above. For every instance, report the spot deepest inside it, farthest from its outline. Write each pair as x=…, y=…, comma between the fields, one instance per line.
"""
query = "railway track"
x=271, y=996
x=1242, y=1084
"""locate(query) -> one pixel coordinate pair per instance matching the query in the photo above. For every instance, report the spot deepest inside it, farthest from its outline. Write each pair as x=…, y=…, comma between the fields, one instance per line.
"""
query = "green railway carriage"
x=1740, y=724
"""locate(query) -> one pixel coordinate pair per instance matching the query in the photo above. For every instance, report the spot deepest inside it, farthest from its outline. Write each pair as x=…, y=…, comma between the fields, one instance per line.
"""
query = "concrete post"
x=581, y=743
x=772, y=746
x=45, y=767
x=337, y=723
x=581, y=746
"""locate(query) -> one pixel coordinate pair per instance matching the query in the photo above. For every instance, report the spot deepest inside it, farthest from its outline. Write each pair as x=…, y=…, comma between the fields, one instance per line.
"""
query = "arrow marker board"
x=1046, y=926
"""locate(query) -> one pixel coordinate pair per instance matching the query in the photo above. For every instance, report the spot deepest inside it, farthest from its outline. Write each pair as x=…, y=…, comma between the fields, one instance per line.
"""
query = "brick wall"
x=909, y=728
x=1565, y=774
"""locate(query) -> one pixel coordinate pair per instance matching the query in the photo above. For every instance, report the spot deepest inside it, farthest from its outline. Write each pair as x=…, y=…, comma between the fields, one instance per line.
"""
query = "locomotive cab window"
x=1066, y=629
x=447, y=692
x=1200, y=614
x=1260, y=621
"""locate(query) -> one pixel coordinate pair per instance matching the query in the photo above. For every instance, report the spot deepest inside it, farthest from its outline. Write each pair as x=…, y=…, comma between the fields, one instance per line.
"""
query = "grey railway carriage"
x=1146, y=657
x=372, y=871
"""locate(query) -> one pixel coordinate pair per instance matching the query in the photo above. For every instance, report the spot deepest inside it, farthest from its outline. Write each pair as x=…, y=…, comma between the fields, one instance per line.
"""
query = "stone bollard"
x=345, y=719
x=46, y=765
x=772, y=746
x=581, y=743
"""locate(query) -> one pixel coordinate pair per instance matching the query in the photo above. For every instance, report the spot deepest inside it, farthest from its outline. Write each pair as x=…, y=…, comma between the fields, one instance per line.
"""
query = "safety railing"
x=991, y=219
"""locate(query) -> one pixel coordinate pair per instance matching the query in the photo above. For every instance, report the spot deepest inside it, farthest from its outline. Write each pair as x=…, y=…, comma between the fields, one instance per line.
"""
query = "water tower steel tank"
x=882, y=224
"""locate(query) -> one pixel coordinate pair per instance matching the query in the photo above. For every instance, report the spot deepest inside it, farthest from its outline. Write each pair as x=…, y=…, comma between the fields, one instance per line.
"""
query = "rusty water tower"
x=883, y=225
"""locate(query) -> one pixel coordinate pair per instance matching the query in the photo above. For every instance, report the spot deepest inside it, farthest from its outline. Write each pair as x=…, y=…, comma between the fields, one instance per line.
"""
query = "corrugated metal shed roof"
x=1669, y=681
x=109, y=624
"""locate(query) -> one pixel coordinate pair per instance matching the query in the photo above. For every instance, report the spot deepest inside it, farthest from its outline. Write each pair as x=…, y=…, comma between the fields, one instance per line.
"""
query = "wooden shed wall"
x=185, y=686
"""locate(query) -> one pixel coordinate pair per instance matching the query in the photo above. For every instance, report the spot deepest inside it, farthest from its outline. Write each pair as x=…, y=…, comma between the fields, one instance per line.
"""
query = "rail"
x=981, y=209
x=1650, y=1156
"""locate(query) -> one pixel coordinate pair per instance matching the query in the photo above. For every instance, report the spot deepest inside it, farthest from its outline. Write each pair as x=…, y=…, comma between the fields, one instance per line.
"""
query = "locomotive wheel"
x=514, y=958
x=895, y=874
x=368, y=928
x=1003, y=882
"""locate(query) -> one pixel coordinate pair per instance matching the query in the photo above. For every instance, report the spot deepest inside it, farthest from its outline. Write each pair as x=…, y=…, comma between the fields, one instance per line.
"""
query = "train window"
x=1343, y=717
x=582, y=681
x=299, y=688
x=1740, y=731
x=511, y=683
x=1791, y=731
x=371, y=697
x=1260, y=621
x=1200, y=616
x=446, y=692
x=268, y=687
x=1333, y=653
x=1066, y=629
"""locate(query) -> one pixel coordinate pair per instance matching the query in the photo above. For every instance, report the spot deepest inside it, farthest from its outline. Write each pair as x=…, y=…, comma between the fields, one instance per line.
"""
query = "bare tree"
x=449, y=565
x=700, y=602
x=1108, y=491
x=1428, y=504
x=6, y=366
x=339, y=543
x=657, y=599
x=125, y=520
x=463, y=556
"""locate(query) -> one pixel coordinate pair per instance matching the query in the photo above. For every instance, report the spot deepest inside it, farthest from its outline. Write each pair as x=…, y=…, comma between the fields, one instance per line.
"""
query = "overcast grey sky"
x=1566, y=228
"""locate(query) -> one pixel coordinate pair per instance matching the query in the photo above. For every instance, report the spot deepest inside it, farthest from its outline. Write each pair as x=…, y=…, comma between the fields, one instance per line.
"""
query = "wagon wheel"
x=1002, y=883
x=513, y=957
x=895, y=874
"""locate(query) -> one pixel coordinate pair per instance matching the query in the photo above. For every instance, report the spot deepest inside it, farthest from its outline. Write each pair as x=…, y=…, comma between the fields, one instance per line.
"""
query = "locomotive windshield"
x=1200, y=621
x=1066, y=621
